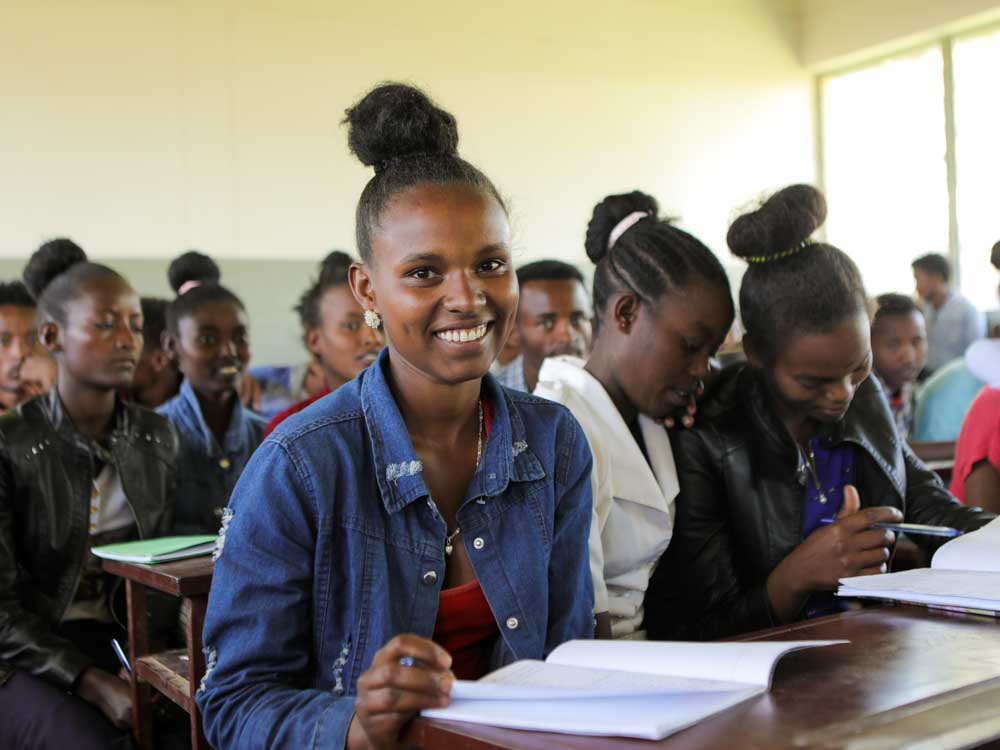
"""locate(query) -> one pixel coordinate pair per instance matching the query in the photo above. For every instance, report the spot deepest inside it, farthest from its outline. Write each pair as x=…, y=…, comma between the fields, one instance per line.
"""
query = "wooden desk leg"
x=196, y=665
x=138, y=645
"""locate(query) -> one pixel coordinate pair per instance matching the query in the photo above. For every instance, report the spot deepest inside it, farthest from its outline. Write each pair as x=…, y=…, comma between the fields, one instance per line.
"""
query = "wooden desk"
x=177, y=673
x=910, y=678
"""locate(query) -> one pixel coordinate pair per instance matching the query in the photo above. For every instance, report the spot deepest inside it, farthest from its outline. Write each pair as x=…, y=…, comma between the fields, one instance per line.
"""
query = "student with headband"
x=795, y=455
x=662, y=306
x=421, y=523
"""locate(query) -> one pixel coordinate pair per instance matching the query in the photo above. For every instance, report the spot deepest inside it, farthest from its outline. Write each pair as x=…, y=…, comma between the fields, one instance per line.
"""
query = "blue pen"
x=909, y=528
x=120, y=653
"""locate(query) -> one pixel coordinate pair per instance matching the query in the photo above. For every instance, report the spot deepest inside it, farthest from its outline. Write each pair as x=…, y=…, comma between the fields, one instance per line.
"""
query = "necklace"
x=811, y=464
x=449, y=547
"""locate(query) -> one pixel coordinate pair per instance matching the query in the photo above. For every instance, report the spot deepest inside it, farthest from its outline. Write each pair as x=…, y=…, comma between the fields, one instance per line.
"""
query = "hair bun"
x=395, y=120
x=606, y=216
x=785, y=221
x=52, y=259
x=192, y=266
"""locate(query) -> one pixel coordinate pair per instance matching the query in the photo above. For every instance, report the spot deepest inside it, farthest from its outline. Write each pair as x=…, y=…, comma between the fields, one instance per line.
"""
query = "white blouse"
x=633, y=499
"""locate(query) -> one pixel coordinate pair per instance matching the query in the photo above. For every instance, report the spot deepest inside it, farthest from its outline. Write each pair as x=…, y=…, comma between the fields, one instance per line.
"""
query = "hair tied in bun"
x=624, y=225
x=754, y=259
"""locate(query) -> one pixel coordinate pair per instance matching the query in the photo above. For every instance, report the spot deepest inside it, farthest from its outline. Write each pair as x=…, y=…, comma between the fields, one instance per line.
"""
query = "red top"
x=466, y=629
x=293, y=409
x=465, y=625
x=979, y=439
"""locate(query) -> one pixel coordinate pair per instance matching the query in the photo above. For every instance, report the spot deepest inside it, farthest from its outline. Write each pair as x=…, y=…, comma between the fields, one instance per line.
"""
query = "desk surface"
x=909, y=676
x=190, y=577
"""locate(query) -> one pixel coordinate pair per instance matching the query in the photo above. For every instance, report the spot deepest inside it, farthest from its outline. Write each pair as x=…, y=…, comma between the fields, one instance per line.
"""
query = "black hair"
x=192, y=266
x=933, y=263
x=793, y=285
x=548, y=270
x=651, y=258
x=887, y=305
x=332, y=272
x=399, y=131
x=995, y=255
x=154, y=322
x=187, y=304
x=54, y=274
x=15, y=294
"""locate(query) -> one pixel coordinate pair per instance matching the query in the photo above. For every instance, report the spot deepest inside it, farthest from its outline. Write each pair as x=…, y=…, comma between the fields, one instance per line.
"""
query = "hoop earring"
x=373, y=319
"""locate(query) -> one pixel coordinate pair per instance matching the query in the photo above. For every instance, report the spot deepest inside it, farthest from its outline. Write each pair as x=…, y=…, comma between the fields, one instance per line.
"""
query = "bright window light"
x=884, y=166
x=976, y=66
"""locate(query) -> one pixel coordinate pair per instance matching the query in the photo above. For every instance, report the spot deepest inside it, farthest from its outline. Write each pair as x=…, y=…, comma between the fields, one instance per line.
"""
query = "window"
x=886, y=140
x=884, y=166
x=976, y=65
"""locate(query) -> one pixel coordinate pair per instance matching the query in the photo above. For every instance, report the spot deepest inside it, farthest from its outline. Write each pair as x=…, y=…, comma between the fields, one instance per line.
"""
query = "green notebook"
x=163, y=549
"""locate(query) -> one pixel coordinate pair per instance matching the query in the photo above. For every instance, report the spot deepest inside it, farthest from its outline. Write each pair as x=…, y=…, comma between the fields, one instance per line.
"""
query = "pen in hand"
x=909, y=528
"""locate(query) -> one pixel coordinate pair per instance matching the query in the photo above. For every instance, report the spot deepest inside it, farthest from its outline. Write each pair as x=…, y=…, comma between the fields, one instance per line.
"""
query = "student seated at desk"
x=156, y=378
x=899, y=353
x=787, y=442
x=976, y=476
x=334, y=331
x=663, y=307
x=421, y=500
x=208, y=337
x=78, y=468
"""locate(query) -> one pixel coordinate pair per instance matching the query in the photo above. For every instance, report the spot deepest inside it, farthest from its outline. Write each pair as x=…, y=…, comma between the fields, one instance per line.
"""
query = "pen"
x=909, y=528
x=120, y=653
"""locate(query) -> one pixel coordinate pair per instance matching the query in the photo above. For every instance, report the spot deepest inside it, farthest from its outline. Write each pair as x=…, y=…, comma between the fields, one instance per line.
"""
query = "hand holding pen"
x=407, y=675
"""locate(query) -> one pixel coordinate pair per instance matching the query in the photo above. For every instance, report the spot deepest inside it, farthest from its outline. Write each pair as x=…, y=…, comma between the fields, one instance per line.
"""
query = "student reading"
x=784, y=442
x=78, y=468
x=662, y=307
x=421, y=500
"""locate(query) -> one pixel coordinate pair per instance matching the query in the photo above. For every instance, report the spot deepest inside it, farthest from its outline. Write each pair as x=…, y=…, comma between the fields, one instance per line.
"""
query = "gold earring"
x=373, y=319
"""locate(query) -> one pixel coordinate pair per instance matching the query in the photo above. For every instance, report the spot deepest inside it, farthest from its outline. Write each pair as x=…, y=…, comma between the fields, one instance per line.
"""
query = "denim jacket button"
x=512, y=623
x=478, y=542
x=430, y=578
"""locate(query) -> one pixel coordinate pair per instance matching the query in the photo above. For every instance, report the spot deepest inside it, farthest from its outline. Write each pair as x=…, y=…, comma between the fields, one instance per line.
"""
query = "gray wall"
x=268, y=288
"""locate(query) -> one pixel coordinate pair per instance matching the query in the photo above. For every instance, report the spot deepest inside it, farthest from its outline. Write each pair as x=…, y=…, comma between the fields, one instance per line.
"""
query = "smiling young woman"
x=421, y=522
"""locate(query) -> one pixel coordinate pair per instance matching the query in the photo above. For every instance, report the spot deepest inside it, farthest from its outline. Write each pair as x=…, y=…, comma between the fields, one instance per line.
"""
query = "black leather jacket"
x=742, y=499
x=46, y=470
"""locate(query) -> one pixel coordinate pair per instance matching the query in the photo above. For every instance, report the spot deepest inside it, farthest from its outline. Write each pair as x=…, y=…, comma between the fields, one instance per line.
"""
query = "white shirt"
x=633, y=501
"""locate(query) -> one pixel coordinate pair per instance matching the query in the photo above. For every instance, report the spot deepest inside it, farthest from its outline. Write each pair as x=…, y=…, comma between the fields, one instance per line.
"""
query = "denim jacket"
x=331, y=546
x=206, y=471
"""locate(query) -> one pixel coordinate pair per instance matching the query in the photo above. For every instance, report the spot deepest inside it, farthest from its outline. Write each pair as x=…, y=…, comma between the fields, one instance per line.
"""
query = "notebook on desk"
x=964, y=575
x=642, y=689
x=163, y=549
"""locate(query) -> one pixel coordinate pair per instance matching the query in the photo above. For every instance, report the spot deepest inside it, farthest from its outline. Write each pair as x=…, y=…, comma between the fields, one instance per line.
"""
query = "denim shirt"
x=331, y=546
x=206, y=471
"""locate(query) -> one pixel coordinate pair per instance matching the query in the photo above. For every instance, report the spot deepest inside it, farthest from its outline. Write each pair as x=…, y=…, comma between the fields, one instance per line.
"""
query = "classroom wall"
x=838, y=32
x=141, y=128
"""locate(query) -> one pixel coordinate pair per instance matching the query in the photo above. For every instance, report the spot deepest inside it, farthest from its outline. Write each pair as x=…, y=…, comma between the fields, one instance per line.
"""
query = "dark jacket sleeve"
x=928, y=502
x=699, y=590
x=27, y=642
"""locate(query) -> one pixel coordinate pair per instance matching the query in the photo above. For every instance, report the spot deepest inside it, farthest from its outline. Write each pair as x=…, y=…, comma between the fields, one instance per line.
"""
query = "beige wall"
x=838, y=32
x=143, y=127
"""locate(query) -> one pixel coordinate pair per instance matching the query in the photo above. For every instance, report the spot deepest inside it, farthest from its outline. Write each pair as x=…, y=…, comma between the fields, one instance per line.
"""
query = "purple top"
x=835, y=469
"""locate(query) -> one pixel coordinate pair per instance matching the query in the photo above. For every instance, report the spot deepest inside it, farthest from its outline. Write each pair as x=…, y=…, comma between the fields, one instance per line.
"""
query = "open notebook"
x=620, y=688
x=964, y=574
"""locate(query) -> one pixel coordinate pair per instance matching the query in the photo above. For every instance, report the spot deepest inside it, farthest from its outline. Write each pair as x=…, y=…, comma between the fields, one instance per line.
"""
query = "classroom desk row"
x=910, y=677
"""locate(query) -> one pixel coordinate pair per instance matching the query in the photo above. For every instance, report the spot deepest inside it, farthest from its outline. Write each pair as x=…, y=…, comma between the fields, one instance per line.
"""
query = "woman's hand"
x=390, y=694
x=686, y=417
x=110, y=695
x=848, y=547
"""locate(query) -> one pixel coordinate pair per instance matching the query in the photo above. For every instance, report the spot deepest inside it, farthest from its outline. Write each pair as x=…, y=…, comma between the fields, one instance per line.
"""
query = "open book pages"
x=964, y=574
x=623, y=688
x=977, y=550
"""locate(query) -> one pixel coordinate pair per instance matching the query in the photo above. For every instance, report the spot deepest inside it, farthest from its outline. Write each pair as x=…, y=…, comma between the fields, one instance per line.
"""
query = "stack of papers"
x=964, y=575
x=620, y=688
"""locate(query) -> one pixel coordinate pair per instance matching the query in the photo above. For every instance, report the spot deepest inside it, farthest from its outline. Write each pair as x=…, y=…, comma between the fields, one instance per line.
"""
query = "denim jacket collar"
x=194, y=421
x=506, y=456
